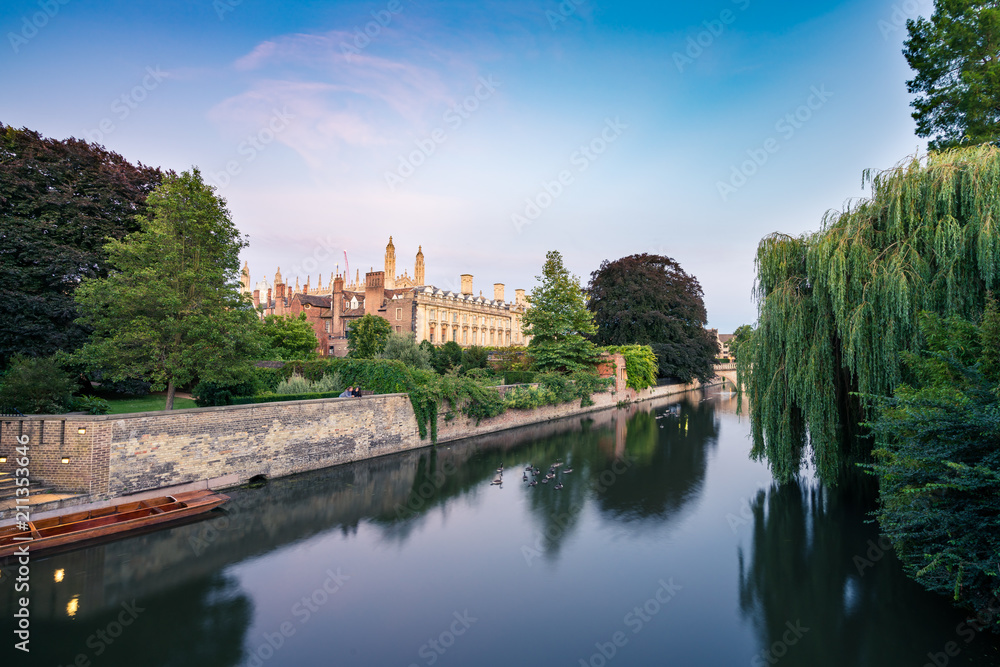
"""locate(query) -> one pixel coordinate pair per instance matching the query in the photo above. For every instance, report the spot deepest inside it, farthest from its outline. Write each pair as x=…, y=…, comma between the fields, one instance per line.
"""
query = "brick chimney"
x=467, y=283
x=519, y=299
x=498, y=291
x=374, y=291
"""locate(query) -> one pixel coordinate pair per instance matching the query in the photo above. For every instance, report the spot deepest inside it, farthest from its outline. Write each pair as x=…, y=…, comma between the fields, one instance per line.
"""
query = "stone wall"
x=114, y=455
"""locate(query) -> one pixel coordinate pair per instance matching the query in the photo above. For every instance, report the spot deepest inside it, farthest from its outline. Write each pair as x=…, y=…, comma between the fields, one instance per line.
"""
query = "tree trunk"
x=171, y=389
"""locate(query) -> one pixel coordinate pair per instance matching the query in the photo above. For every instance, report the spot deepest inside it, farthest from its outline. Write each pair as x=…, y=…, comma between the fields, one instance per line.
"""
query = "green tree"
x=367, y=337
x=957, y=83
x=171, y=310
x=289, y=338
x=403, y=347
x=740, y=336
x=447, y=357
x=838, y=307
x=36, y=385
x=558, y=320
x=938, y=462
x=650, y=300
x=60, y=201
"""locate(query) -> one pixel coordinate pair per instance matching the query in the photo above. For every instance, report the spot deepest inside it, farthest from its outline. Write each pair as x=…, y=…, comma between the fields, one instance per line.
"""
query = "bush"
x=92, y=405
x=474, y=357
x=641, y=364
x=519, y=377
x=278, y=398
x=299, y=385
x=447, y=357
x=36, y=385
x=130, y=387
x=404, y=348
x=466, y=395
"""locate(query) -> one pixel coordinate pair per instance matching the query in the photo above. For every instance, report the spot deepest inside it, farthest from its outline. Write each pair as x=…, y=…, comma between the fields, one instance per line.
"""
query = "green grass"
x=149, y=403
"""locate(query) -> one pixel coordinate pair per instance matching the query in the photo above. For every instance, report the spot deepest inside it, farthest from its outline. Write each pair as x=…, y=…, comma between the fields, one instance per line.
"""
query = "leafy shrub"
x=466, y=395
x=519, y=377
x=36, y=385
x=641, y=364
x=295, y=385
x=403, y=347
x=474, y=357
x=278, y=398
x=130, y=387
x=92, y=405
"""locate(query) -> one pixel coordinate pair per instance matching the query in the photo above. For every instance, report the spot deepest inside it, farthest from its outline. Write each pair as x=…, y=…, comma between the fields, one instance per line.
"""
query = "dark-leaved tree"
x=60, y=202
x=650, y=300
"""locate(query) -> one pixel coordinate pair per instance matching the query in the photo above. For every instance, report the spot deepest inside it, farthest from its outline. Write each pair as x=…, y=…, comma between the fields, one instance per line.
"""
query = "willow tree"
x=837, y=307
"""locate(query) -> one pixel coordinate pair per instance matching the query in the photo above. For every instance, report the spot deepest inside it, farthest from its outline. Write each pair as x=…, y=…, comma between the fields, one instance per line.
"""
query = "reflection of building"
x=430, y=313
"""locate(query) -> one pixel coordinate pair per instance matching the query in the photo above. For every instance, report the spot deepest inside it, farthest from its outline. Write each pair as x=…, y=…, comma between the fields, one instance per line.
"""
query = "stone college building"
x=431, y=314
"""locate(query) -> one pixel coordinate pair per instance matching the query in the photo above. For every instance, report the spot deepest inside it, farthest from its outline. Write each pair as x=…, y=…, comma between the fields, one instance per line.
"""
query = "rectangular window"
x=398, y=330
x=399, y=314
x=465, y=337
x=454, y=318
x=432, y=335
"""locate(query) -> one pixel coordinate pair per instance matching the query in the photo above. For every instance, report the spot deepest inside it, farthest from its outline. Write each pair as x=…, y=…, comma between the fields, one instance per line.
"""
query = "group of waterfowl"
x=535, y=472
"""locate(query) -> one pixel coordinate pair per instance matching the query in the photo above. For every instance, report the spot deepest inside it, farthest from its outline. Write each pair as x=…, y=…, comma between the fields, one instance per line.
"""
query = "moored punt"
x=66, y=529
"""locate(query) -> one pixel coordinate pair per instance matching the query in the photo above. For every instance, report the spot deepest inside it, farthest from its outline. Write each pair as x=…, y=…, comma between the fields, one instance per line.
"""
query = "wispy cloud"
x=341, y=97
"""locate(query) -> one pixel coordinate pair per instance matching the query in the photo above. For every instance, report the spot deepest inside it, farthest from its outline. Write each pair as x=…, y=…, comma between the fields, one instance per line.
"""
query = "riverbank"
x=95, y=459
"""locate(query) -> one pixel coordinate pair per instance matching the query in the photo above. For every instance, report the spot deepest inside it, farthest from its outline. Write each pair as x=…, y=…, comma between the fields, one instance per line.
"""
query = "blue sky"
x=488, y=132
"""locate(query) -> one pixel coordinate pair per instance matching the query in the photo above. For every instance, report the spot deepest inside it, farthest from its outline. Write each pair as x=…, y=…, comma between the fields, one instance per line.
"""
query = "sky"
x=486, y=132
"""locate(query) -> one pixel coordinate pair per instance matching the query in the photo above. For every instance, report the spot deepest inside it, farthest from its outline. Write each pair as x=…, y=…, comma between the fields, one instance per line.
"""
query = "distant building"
x=723, y=341
x=430, y=313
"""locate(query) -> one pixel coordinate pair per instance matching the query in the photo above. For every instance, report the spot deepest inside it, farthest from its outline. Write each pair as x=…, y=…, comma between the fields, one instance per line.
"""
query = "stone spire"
x=390, y=265
x=418, y=270
x=245, y=279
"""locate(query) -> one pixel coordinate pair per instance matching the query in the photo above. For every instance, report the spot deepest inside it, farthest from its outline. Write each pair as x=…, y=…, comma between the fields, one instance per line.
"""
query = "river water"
x=665, y=546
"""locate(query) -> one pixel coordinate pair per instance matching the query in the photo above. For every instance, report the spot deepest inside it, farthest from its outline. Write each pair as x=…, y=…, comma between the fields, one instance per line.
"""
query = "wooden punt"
x=67, y=529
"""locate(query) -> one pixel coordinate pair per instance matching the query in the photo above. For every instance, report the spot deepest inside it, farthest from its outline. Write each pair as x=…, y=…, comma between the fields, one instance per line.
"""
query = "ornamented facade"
x=430, y=313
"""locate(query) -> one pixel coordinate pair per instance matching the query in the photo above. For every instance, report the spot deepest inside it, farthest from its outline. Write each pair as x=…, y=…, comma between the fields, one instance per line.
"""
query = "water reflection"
x=423, y=534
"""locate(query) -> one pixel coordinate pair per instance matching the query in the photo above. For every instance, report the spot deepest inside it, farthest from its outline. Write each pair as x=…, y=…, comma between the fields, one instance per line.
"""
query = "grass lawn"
x=149, y=403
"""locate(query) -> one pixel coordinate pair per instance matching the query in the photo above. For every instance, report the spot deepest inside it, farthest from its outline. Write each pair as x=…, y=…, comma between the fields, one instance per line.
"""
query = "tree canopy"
x=60, y=201
x=957, y=82
x=367, y=336
x=289, y=337
x=649, y=299
x=171, y=311
x=558, y=320
x=838, y=307
x=938, y=461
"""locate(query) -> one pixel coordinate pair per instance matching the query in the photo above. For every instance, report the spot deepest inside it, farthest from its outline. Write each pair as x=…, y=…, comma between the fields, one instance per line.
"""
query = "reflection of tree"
x=200, y=622
x=803, y=566
x=668, y=464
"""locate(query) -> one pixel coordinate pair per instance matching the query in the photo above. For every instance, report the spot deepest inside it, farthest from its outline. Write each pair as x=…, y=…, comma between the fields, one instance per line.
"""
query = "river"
x=666, y=545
